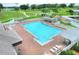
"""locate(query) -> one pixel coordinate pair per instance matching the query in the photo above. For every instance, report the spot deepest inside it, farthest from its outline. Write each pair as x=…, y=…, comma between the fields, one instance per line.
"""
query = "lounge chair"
x=56, y=49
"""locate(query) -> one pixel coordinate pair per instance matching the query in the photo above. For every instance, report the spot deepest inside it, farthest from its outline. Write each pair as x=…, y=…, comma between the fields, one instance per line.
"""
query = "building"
x=8, y=39
x=71, y=21
x=72, y=35
x=76, y=12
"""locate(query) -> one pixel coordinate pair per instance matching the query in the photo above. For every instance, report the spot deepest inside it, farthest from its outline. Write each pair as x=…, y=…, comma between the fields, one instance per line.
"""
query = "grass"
x=32, y=13
x=76, y=47
x=17, y=14
x=67, y=24
x=64, y=11
x=7, y=15
x=73, y=51
x=68, y=52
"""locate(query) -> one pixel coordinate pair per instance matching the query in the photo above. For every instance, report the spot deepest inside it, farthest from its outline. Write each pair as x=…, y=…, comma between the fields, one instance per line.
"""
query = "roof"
x=68, y=18
x=7, y=39
x=10, y=35
x=72, y=35
x=6, y=48
x=76, y=24
x=75, y=10
x=52, y=19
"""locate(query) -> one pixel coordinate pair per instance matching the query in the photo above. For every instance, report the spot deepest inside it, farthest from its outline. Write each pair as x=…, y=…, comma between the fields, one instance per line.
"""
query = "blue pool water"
x=42, y=32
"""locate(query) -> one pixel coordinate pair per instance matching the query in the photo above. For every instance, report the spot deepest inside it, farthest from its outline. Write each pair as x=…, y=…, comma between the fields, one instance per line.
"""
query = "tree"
x=24, y=7
x=41, y=6
x=62, y=5
x=16, y=8
x=76, y=47
x=45, y=6
x=54, y=5
x=68, y=52
x=33, y=6
x=45, y=10
x=71, y=12
x=55, y=10
x=71, y=5
x=1, y=6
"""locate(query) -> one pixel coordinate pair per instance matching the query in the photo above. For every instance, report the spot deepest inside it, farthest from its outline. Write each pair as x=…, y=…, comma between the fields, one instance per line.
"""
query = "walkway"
x=24, y=14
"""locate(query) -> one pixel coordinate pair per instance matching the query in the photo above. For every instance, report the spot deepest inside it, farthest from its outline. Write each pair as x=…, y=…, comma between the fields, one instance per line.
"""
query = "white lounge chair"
x=56, y=49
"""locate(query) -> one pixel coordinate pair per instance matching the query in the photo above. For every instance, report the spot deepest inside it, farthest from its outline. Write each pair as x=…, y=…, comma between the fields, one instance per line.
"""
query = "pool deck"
x=29, y=46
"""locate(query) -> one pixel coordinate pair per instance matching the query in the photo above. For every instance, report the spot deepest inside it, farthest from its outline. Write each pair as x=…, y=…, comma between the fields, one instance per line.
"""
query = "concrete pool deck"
x=29, y=46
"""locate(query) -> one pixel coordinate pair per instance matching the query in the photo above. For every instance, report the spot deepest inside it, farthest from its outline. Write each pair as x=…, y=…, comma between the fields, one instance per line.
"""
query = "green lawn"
x=7, y=15
x=64, y=11
x=32, y=13
x=17, y=14
x=68, y=52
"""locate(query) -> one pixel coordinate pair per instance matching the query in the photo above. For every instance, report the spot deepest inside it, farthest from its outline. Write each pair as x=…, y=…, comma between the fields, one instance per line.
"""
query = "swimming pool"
x=43, y=33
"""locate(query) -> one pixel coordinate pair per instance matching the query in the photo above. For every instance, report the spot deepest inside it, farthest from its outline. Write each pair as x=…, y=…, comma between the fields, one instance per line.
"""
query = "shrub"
x=76, y=47
x=68, y=52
